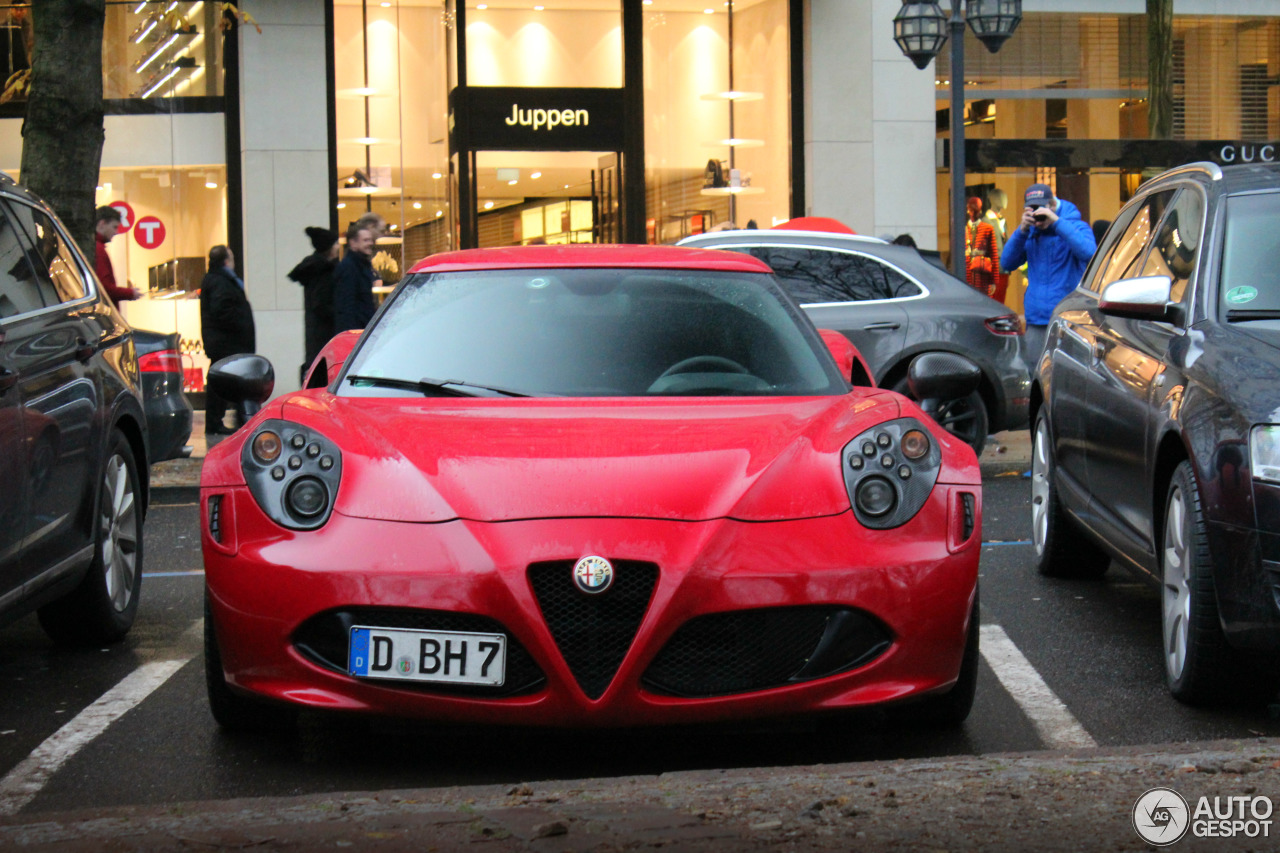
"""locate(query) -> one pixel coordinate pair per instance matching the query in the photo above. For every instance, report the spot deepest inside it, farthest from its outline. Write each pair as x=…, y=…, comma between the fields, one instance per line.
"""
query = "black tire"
x=1199, y=666
x=952, y=708
x=104, y=605
x=232, y=711
x=1061, y=549
x=965, y=417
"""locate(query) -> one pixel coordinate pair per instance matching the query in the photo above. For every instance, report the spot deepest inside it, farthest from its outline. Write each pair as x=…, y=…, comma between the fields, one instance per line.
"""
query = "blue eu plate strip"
x=358, y=659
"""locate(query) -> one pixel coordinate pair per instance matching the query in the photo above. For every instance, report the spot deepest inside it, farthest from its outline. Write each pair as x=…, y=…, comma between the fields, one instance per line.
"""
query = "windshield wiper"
x=445, y=387
x=1236, y=315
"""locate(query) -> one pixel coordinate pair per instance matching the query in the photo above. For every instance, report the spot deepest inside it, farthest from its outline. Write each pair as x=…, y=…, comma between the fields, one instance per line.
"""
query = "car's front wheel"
x=232, y=711
x=1061, y=551
x=952, y=708
x=964, y=417
x=1198, y=663
x=102, y=608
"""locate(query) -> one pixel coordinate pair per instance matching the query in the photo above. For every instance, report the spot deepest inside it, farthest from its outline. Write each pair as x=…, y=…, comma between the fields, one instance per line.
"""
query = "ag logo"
x=1161, y=816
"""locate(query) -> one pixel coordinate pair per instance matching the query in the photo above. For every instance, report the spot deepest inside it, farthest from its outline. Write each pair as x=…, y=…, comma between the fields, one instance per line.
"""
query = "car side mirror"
x=851, y=363
x=936, y=377
x=243, y=378
x=1143, y=298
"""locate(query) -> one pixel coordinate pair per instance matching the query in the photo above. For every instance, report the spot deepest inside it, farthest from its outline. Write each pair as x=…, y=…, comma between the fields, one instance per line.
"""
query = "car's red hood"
x=496, y=460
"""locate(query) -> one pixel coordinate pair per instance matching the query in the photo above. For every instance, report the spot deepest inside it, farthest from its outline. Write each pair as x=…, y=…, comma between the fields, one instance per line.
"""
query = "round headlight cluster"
x=875, y=496
x=889, y=471
x=293, y=473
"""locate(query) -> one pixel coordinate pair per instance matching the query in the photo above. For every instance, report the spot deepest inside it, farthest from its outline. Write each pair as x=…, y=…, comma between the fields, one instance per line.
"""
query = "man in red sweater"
x=106, y=224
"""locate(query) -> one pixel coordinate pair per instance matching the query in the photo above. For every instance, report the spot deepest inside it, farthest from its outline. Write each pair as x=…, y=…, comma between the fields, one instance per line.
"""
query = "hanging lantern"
x=920, y=29
x=993, y=21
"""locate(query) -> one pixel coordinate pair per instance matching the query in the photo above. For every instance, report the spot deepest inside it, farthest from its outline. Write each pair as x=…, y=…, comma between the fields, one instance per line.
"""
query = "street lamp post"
x=920, y=29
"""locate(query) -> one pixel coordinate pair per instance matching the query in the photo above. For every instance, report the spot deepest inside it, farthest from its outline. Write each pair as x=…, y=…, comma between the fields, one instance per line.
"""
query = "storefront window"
x=393, y=153
x=717, y=139
x=1069, y=80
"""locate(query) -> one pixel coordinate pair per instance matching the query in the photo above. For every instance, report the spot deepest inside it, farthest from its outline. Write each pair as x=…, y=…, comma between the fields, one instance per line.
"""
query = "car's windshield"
x=591, y=333
x=1250, y=283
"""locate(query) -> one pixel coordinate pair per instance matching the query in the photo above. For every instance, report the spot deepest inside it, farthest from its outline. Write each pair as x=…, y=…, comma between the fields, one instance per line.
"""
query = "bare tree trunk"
x=63, y=133
x=1160, y=68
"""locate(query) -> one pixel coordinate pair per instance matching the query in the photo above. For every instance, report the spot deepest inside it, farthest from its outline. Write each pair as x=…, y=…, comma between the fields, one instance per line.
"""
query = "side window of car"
x=819, y=275
x=1177, y=243
x=19, y=287
x=53, y=255
x=1126, y=259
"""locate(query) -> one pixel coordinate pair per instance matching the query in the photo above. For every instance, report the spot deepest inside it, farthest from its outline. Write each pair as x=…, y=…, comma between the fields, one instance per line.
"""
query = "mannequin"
x=982, y=256
x=995, y=216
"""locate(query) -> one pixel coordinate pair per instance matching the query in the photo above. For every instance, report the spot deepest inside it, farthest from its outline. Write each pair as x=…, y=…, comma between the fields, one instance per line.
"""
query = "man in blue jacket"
x=1056, y=244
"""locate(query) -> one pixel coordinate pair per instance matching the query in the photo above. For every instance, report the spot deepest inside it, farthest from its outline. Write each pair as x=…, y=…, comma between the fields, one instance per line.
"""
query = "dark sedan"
x=1157, y=421
x=169, y=414
x=73, y=437
x=894, y=305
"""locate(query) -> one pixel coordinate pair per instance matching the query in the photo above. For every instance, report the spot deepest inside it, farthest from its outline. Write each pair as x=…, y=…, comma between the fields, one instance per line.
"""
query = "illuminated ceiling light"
x=417, y=205
x=365, y=91
x=146, y=31
x=439, y=213
x=211, y=181
x=393, y=226
x=163, y=80
x=536, y=175
x=436, y=175
x=488, y=205
x=648, y=2
x=483, y=6
x=386, y=5
x=512, y=183
x=538, y=8
x=140, y=7
x=341, y=205
x=566, y=186
x=99, y=188
x=708, y=11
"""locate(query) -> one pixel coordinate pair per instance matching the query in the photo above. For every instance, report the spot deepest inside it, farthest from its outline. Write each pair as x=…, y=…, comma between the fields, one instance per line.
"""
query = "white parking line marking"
x=1054, y=723
x=23, y=782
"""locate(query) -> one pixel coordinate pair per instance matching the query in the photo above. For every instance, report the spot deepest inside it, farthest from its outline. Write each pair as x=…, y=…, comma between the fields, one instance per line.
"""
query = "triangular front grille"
x=593, y=632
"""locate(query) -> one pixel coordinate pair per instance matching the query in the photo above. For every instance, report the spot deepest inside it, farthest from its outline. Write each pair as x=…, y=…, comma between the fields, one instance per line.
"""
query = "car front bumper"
x=265, y=584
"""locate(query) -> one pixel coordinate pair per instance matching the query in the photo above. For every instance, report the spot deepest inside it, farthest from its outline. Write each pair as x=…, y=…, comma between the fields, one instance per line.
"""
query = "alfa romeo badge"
x=593, y=574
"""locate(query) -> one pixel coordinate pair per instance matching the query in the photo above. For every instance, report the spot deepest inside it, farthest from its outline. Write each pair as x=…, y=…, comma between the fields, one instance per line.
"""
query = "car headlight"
x=293, y=473
x=889, y=471
x=1264, y=452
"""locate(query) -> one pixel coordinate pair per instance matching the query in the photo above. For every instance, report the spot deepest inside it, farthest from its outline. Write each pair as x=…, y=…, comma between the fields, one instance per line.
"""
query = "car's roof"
x=589, y=255
x=1224, y=180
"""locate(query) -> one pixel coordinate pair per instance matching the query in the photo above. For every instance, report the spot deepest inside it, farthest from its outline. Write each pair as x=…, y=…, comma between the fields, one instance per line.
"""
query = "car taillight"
x=164, y=361
x=1006, y=324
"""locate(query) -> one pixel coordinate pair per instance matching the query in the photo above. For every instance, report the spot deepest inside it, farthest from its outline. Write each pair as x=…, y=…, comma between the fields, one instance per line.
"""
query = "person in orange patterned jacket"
x=982, y=256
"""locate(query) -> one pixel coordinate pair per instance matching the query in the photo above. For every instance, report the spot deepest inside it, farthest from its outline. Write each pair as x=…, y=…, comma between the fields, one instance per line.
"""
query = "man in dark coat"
x=226, y=324
x=315, y=274
x=353, y=282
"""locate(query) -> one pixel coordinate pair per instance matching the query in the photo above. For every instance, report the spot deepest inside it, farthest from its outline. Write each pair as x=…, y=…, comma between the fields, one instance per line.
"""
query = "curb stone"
x=1078, y=800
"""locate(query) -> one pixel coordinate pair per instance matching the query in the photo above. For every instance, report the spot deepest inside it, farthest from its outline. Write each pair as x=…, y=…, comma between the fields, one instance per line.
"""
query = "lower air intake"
x=593, y=631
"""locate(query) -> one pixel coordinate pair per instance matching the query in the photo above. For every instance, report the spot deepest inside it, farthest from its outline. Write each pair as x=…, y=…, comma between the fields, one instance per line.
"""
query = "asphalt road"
x=1065, y=664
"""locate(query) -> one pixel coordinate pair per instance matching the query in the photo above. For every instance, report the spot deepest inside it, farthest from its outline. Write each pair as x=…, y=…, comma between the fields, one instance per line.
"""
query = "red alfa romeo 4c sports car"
x=589, y=486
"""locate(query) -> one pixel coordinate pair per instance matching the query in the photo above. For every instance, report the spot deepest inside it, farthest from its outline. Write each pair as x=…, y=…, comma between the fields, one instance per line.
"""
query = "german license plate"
x=449, y=657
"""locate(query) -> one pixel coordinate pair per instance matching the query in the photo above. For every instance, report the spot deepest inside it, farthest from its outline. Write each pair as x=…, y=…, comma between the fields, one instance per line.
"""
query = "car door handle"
x=7, y=379
x=882, y=327
x=84, y=349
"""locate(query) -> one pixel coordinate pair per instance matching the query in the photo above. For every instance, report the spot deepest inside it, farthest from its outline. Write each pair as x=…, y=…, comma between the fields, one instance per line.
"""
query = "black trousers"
x=215, y=407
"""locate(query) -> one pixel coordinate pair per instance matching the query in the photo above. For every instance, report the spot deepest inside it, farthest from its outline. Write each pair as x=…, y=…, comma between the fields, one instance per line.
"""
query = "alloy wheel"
x=119, y=533
x=1040, y=487
x=1177, y=585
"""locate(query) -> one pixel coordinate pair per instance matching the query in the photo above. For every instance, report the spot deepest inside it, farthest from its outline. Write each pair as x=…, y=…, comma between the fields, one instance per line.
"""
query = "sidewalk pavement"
x=1074, y=801
x=1007, y=454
